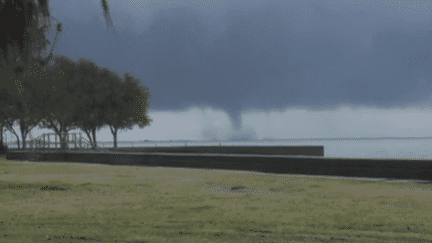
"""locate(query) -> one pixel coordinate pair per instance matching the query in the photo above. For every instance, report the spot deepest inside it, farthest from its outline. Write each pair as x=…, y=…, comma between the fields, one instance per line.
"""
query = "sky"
x=219, y=70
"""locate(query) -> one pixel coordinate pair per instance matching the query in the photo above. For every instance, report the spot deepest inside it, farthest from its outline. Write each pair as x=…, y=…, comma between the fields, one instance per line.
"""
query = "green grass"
x=161, y=204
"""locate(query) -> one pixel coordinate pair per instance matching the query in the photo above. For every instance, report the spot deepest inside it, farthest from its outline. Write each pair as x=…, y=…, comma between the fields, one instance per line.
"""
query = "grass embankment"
x=102, y=203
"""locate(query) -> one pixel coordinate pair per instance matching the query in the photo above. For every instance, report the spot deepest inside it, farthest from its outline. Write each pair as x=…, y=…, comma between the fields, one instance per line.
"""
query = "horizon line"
x=263, y=139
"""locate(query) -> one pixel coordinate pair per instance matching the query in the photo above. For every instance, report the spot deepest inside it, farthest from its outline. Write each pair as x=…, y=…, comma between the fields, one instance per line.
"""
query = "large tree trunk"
x=3, y=147
x=23, y=141
x=115, y=137
x=1, y=136
x=63, y=140
x=94, y=139
x=18, y=141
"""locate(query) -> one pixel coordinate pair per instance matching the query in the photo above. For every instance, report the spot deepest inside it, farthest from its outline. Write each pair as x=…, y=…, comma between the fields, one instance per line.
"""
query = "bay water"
x=382, y=148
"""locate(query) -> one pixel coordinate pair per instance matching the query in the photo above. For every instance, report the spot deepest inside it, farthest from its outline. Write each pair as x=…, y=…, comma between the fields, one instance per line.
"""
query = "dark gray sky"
x=264, y=69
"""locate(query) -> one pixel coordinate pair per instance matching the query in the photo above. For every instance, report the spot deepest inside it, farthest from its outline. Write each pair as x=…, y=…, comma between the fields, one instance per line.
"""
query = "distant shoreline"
x=258, y=140
x=276, y=140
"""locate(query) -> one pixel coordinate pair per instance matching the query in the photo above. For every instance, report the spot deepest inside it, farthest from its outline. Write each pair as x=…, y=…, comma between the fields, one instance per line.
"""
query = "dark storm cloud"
x=272, y=56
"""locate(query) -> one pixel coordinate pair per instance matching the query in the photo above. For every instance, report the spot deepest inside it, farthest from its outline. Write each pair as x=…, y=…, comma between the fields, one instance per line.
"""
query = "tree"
x=25, y=104
x=59, y=102
x=4, y=101
x=114, y=91
x=97, y=97
x=91, y=95
x=22, y=43
x=127, y=102
x=139, y=96
x=23, y=40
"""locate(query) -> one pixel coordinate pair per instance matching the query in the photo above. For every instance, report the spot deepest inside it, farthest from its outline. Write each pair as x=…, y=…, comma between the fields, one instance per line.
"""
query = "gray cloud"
x=271, y=56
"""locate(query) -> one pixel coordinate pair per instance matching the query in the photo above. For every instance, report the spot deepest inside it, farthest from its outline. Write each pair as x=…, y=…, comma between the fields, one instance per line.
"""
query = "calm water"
x=412, y=148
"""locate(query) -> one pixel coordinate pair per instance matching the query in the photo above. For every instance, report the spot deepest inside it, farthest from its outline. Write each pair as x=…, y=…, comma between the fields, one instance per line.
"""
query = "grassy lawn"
x=76, y=202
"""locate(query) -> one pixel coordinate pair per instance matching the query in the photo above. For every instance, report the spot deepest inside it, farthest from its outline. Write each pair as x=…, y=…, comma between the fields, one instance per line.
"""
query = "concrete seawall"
x=386, y=169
